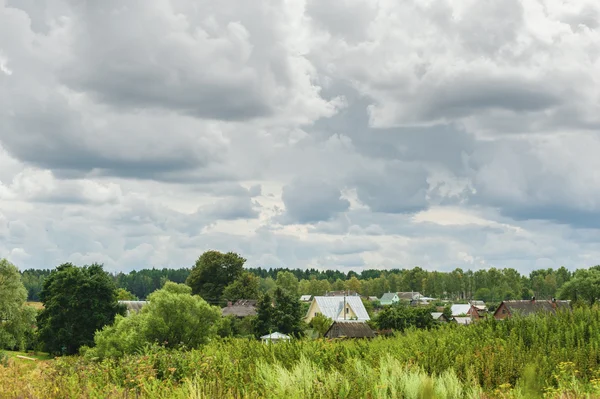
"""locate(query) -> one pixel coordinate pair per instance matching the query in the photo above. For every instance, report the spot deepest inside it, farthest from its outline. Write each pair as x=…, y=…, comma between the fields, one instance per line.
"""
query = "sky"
x=328, y=134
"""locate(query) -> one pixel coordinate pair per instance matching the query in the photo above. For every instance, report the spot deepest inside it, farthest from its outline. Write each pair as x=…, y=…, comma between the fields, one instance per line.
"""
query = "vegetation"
x=552, y=355
x=213, y=272
x=78, y=301
x=282, y=314
x=16, y=318
x=174, y=319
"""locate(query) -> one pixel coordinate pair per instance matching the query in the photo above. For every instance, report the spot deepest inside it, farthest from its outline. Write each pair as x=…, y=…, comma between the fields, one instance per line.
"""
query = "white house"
x=337, y=308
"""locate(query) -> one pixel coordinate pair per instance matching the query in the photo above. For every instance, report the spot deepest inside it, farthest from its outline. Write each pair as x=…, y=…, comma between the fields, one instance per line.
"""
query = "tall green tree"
x=16, y=319
x=213, y=272
x=288, y=282
x=246, y=286
x=78, y=301
x=584, y=286
x=283, y=314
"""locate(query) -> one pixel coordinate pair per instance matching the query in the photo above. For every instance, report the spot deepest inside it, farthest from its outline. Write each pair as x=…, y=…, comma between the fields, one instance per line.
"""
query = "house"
x=274, y=337
x=439, y=316
x=241, y=308
x=350, y=329
x=133, y=306
x=409, y=296
x=389, y=298
x=337, y=308
x=460, y=309
x=305, y=298
x=372, y=299
x=530, y=306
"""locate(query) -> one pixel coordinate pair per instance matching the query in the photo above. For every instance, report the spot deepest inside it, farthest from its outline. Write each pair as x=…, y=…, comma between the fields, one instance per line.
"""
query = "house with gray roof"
x=389, y=298
x=241, y=308
x=337, y=308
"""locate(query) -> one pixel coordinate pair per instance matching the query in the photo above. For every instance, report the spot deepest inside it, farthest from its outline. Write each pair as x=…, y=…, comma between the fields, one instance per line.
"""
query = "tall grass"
x=541, y=356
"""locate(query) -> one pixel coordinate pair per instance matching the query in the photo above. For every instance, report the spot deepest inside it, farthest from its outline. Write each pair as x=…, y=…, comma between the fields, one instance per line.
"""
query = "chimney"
x=533, y=298
x=553, y=303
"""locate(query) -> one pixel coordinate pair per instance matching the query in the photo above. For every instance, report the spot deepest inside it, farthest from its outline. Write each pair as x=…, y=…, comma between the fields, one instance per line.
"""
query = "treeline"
x=492, y=285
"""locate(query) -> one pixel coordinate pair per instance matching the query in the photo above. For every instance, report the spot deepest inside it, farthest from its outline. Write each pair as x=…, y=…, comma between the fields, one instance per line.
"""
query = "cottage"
x=460, y=309
x=305, y=298
x=372, y=299
x=528, y=307
x=389, y=298
x=241, y=308
x=337, y=308
x=409, y=296
x=350, y=329
x=133, y=306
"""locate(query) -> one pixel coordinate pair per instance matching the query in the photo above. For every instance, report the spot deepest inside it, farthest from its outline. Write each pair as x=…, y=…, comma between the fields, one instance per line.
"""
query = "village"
x=349, y=317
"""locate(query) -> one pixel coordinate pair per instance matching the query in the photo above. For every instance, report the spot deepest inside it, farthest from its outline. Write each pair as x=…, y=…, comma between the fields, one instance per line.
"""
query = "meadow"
x=540, y=356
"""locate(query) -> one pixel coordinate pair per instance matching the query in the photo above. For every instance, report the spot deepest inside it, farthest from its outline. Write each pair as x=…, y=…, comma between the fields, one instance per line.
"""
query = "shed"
x=275, y=337
x=350, y=329
x=439, y=316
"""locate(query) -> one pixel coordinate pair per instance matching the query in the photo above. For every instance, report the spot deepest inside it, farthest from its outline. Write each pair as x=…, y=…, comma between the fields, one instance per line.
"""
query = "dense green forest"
x=491, y=285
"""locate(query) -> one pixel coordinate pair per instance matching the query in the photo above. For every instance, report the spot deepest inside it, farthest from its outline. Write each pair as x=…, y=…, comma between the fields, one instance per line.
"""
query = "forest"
x=490, y=285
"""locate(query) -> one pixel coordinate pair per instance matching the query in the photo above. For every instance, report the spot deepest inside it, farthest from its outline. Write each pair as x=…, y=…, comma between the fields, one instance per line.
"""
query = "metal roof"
x=389, y=297
x=305, y=298
x=331, y=306
x=459, y=309
x=275, y=335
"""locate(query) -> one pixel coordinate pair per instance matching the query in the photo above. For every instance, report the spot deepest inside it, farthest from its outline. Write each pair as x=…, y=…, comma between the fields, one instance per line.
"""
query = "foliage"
x=321, y=324
x=551, y=355
x=283, y=314
x=287, y=282
x=401, y=317
x=124, y=295
x=584, y=286
x=246, y=286
x=16, y=319
x=77, y=302
x=173, y=318
x=213, y=272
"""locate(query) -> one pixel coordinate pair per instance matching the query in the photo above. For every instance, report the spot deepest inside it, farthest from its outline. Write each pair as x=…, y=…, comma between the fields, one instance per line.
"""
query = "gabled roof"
x=409, y=296
x=480, y=305
x=350, y=329
x=527, y=307
x=388, y=297
x=458, y=309
x=332, y=306
x=463, y=320
x=373, y=298
x=436, y=315
x=275, y=335
x=241, y=308
x=305, y=298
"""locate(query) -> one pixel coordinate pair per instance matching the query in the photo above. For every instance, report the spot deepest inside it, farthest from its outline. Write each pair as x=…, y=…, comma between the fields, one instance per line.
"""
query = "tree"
x=213, y=272
x=124, y=295
x=77, y=302
x=173, y=318
x=16, y=319
x=283, y=314
x=353, y=284
x=584, y=286
x=246, y=286
x=400, y=317
x=288, y=282
x=321, y=324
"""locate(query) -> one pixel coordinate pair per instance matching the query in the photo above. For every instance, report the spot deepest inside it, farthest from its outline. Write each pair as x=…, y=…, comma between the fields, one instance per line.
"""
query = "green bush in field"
x=172, y=318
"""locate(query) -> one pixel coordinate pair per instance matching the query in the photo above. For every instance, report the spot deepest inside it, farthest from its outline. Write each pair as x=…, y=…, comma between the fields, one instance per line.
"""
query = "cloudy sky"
x=344, y=134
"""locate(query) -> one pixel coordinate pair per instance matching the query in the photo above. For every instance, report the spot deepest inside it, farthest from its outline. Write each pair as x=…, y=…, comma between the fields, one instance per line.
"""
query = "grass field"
x=536, y=357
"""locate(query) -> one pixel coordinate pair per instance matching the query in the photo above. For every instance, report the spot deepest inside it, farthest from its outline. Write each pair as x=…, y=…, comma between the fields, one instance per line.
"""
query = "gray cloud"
x=312, y=201
x=346, y=134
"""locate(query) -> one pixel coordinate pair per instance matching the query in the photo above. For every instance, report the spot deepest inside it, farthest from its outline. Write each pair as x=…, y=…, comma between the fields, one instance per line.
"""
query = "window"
x=347, y=310
x=503, y=310
x=316, y=313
